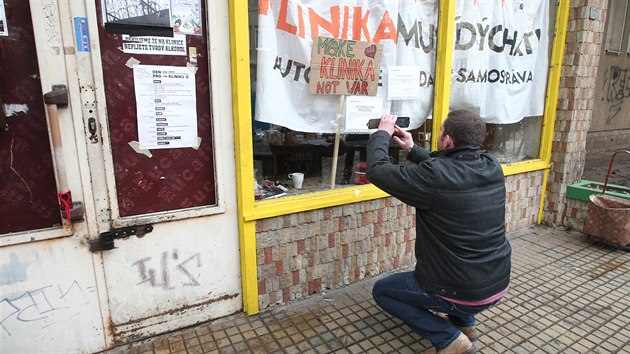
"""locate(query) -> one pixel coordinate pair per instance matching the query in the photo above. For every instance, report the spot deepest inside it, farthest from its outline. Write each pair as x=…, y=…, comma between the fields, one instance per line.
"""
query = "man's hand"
x=387, y=123
x=403, y=138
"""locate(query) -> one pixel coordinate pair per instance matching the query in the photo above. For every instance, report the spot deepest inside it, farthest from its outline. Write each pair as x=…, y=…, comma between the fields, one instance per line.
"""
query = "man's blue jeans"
x=402, y=296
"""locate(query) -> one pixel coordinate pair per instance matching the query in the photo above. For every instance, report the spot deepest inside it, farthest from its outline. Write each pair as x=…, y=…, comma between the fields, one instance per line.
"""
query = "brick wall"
x=310, y=252
x=522, y=203
x=575, y=104
x=576, y=214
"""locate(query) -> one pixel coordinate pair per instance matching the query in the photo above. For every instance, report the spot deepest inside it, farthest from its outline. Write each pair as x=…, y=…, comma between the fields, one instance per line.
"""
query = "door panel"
x=171, y=179
x=28, y=197
x=187, y=269
x=49, y=299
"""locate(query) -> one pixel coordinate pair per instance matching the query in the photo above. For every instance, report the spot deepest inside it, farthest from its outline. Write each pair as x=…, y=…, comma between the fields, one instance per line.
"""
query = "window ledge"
x=304, y=202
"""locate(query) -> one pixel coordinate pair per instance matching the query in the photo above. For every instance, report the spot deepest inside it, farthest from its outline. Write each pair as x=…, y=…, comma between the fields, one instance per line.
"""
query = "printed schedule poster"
x=4, y=30
x=167, y=106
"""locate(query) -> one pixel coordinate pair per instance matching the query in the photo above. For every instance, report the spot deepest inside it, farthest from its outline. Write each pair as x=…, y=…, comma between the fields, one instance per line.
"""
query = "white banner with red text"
x=500, y=58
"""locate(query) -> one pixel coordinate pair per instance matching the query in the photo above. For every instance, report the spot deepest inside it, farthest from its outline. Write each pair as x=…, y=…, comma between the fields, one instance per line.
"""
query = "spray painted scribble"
x=616, y=89
x=43, y=307
x=49, y=11
x=169, y=273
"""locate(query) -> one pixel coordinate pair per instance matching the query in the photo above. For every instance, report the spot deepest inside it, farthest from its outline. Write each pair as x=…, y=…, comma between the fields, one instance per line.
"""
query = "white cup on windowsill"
x=298, y=179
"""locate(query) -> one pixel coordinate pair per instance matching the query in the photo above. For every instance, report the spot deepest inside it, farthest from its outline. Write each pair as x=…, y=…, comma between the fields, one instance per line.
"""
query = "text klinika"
x=480, y=36
x=341, y=67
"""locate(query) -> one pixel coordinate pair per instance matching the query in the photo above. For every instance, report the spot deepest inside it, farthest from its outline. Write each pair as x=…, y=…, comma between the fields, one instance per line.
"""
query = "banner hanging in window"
x=500, y=59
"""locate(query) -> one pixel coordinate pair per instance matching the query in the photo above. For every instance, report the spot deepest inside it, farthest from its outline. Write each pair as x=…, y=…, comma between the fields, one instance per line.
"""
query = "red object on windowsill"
x=359, y=174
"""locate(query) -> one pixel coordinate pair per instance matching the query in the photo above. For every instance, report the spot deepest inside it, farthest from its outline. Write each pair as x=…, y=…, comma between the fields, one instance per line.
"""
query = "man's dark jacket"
x=459, y=195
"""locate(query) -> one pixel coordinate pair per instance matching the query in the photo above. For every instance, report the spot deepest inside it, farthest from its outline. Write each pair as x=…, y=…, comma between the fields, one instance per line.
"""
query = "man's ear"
x=448, y=142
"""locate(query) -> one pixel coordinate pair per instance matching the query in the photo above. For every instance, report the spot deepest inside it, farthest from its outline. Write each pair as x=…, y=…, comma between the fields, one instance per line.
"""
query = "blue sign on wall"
x=82, y=34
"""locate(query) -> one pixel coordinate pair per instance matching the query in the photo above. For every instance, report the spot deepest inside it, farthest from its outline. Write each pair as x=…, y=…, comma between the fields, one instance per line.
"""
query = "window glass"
x=295, y=131
x=616, y=26
x=500, y=67
x=514, y=142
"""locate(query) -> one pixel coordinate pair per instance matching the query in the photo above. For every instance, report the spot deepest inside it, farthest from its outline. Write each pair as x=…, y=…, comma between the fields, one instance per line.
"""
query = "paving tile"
x=209, y=346
x=162, y=350
x=195, y=350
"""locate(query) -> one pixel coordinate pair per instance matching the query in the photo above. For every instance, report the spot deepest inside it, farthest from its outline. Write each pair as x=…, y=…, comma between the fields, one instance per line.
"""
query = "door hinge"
x=106, y=239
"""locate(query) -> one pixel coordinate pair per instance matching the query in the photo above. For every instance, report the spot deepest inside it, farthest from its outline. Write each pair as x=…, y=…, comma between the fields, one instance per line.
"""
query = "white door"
x=167, y=161
x=49, y=300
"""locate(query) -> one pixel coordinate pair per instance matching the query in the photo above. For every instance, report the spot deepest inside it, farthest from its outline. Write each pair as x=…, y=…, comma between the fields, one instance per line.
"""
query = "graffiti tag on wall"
x=616, y=89
x=170, y=271
x=44, y=306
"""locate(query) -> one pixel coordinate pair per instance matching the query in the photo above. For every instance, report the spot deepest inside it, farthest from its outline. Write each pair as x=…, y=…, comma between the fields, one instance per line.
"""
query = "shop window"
x=615, y=28
x=500, y=66
x=294, y=131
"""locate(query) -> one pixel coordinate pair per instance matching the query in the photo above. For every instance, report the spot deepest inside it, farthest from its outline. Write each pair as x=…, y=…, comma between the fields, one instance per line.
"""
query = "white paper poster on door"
x=4, y=30
x=152, y=45
x=166, y=103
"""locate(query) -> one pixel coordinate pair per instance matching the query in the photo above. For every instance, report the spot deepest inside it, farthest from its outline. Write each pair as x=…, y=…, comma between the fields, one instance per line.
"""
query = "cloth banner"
x=500, y=60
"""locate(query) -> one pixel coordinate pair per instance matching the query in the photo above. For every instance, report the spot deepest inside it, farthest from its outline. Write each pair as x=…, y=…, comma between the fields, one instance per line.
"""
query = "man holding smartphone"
x=463, y=259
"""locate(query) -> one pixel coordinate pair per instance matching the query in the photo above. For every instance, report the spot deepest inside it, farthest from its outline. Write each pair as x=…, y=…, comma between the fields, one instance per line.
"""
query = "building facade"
x=109, y=235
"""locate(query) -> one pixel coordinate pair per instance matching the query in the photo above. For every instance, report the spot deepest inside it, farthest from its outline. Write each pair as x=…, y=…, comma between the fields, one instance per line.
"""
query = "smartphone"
x=402, y=122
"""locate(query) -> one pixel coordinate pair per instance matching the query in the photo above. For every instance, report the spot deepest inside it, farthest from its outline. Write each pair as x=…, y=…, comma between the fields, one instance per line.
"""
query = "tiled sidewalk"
x=569, y=294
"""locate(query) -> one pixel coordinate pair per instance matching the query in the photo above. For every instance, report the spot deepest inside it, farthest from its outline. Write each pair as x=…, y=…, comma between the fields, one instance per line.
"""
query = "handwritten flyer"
x=344, y=67
x=166, y=102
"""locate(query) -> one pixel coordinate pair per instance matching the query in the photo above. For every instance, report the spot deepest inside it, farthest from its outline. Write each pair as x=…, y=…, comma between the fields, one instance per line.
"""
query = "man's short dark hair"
x=465, y=128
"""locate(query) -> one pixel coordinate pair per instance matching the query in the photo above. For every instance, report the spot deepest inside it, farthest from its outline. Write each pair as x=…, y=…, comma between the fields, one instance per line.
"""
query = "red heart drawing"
x=371, y=51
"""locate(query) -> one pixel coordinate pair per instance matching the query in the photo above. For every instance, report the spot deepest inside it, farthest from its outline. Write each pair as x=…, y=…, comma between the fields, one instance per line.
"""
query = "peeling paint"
x=140, y=149
x=12, y=109
x=14, y=271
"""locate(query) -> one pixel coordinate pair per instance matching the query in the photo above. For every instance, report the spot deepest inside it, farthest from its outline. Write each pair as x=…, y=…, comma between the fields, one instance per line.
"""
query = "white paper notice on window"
x=403, y=83
x=4, y=29
x=359, y=110
x=187, y=17
x=167, y=106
